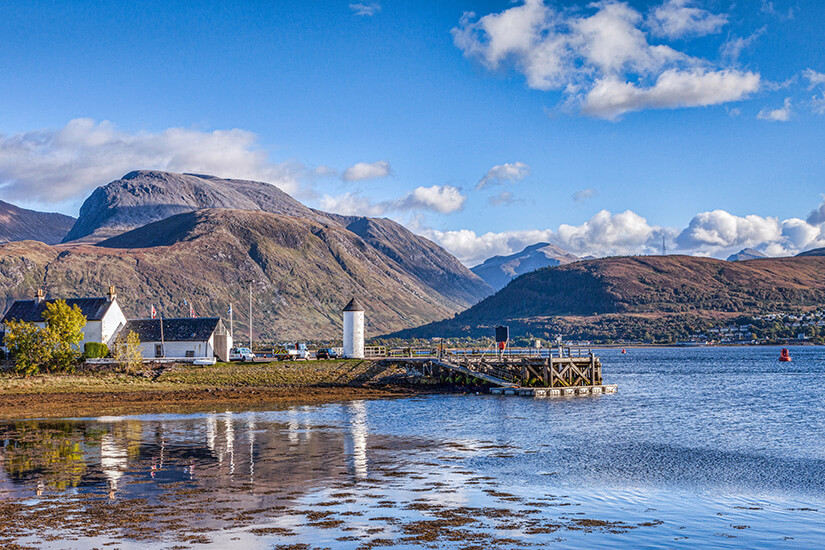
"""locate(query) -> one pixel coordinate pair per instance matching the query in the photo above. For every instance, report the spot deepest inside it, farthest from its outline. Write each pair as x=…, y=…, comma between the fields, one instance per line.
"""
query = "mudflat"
x=187, y=388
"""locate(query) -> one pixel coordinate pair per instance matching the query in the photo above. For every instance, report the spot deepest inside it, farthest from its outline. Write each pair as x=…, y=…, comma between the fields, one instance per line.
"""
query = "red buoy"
x=623, y=351
x=785, y=355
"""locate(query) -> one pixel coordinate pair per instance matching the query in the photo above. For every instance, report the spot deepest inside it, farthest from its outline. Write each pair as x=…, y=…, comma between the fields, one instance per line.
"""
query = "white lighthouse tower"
x=354, y=330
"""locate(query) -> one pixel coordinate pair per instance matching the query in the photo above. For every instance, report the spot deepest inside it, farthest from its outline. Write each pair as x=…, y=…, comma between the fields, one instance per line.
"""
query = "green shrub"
x=95, y=350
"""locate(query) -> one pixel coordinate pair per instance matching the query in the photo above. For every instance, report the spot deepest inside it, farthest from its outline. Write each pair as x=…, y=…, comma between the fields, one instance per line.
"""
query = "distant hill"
x=498, y=271
x=814, y=252
x=304, y=271
x=747, y=254
x=612, y=298
x=20, y=224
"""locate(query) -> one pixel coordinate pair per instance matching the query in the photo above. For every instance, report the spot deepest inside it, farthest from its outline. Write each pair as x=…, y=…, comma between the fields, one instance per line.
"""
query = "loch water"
x=701, y=447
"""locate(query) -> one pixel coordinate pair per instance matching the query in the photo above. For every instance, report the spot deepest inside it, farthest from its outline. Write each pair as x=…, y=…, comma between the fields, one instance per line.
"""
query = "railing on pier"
x=569, y=367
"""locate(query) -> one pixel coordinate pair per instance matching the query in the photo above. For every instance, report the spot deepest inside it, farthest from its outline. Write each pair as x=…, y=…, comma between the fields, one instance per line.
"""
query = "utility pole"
x=250, y=281
x=664, y=246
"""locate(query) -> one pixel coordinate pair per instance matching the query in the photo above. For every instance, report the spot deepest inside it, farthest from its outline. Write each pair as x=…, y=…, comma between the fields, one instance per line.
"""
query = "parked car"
x=241, y=354
x=326, y=353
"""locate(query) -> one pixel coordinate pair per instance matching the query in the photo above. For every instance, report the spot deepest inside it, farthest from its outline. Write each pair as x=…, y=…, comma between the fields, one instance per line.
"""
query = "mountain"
x=814, y=252
x=613, y=298
x=19, y=224
x=747, y=254
x=498, y=271
x=145, y=196
x=304, y=272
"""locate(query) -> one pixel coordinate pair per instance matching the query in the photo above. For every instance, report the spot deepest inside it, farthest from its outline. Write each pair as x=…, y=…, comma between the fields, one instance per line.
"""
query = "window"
x=158, y=350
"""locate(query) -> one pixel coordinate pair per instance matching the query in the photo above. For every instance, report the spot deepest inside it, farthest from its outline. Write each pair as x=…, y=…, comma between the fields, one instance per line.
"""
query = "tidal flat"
x=692, y=451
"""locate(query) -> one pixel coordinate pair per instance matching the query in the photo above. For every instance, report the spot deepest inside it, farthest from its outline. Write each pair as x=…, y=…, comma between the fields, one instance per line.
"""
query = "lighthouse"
x=354, y=330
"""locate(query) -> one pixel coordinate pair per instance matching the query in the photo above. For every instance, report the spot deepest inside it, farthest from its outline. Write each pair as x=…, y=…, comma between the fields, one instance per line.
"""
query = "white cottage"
x=104, y=318
x=199, y=337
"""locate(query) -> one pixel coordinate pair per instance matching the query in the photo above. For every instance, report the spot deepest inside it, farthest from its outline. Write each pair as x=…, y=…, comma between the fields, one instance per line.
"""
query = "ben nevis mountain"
x=163, y=238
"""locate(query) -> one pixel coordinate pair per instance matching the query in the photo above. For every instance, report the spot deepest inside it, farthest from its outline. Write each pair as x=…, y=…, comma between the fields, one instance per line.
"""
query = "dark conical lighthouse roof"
x=354, y=305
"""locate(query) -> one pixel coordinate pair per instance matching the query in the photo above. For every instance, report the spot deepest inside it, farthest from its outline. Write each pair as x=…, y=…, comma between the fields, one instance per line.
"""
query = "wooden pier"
x=554, y=372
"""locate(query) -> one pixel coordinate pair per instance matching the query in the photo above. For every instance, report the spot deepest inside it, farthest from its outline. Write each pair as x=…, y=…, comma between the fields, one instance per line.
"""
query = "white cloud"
x=443, y=199
x=603, y=235
x=50, y=166
x=367, y=9
x=611, y=98
x=503, y=198
x=352, y=204
x=720, y=232
x=816, y=80
x=500, y=173
x=717, y=233
x=584, y=194
x=679, y=18
x=609, y=234
x=604, y=61
x=367, y=171
x=733, y=47
x=438, y=198
x=782, y=114
x=817, y=216
x=720, y=229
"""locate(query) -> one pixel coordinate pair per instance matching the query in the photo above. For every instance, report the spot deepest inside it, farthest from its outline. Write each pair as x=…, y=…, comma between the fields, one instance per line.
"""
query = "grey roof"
x=186, y=329
x=31, y=311
x=354, y=305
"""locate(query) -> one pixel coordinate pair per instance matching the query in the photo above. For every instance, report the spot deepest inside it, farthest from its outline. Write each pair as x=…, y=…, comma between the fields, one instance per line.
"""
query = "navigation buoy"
x=785, y=355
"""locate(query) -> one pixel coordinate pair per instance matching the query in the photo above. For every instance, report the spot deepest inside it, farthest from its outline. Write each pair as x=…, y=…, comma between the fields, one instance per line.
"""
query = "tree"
x=29, y=345
x=64, y=324
x=127, y=351
x=52, y=348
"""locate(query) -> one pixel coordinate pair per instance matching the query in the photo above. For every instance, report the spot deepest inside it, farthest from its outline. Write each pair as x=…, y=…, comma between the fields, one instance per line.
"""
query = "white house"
x=183, y=338
x=104, y=318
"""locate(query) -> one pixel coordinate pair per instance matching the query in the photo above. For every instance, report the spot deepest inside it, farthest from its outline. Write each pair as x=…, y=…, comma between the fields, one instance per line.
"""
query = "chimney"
x=112, y=295
x=39, y=296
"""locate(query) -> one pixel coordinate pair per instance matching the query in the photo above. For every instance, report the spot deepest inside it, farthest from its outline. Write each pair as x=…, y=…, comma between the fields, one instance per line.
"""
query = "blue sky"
x=485, y=126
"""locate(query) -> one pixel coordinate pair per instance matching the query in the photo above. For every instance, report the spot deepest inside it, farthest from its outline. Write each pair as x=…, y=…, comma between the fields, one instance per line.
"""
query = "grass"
x=275, y=374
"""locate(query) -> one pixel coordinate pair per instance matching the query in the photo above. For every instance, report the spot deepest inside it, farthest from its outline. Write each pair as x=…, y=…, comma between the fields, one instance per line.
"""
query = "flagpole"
x=231, y=322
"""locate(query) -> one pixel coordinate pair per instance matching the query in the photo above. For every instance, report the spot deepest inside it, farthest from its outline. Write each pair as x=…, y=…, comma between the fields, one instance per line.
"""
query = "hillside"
x=498, y=271
x=20, y=224
x=603, y=298
x=304, y=272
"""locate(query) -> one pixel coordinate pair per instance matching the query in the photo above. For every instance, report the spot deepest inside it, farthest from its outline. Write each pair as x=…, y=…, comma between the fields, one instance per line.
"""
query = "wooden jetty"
x=554, y=372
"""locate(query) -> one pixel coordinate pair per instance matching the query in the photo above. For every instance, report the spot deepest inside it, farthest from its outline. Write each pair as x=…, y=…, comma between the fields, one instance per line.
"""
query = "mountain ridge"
x=646, y=289
x=304, y=273
x=22, y=224
x=498, y=271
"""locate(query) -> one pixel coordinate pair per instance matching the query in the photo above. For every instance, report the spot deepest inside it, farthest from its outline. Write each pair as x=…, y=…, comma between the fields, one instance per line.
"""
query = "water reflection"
x=119, y=456
x=355, y=447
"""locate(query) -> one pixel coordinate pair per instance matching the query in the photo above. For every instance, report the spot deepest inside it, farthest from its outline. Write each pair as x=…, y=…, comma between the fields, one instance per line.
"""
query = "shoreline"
x=180, y=388
x=25, y=406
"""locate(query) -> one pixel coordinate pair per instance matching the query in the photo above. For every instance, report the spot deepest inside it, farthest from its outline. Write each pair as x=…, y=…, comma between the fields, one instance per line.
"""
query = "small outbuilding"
x=185, y=338
x=104, y=318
